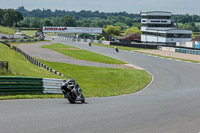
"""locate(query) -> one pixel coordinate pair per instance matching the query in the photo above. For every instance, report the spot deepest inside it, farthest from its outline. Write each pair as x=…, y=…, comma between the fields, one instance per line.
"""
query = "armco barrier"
x=29, y=85
x=20, y=85
x=8, y=45
x=187, y=51
x=52, y=85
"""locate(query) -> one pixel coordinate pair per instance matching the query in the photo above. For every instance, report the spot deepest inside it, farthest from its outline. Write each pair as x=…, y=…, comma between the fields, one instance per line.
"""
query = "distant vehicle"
x=19, y=35
x=5, y=37
x=11, y=37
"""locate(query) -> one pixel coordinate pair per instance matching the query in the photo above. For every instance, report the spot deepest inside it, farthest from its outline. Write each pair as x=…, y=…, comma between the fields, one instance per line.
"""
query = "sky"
x=130, y=6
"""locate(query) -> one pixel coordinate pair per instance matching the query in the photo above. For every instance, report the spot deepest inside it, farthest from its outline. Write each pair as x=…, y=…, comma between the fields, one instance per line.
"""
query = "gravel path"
x=172, y=54
x=47, y=54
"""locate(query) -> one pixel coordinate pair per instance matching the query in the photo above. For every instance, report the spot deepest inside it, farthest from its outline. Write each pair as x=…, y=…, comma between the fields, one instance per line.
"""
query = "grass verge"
x=7, y=30
x=82, y=54
x=19, y=66
x=102, y=82
x=29, y=32
x=32, y=96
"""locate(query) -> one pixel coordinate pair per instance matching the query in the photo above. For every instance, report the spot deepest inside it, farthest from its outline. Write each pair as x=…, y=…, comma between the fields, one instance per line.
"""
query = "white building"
x=158, y=27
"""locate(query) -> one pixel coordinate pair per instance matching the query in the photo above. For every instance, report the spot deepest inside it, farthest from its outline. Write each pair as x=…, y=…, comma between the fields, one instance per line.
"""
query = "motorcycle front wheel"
x=70, y=98
x=82, y=99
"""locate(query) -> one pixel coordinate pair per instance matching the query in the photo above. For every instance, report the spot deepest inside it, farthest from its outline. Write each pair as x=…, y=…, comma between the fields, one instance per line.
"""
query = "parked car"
x=5, y=37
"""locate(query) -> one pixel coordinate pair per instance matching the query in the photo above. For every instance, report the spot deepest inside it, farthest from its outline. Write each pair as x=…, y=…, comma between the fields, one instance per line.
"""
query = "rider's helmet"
x=64, y=80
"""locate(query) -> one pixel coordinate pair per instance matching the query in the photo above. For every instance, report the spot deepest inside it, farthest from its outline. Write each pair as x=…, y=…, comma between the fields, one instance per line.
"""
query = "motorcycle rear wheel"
x=70, y=98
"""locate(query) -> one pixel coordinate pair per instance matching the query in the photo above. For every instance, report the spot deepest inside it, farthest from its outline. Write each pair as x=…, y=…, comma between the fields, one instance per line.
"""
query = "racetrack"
x=169, y=105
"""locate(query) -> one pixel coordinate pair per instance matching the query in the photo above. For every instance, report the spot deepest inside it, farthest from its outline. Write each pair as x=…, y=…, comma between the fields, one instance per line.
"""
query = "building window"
x=158, y=25
x=167, y=35
x=154, y=21
x=178, y=35
x=158, y=17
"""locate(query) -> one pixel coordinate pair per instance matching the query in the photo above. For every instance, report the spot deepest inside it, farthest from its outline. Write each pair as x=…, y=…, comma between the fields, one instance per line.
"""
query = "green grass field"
x=29, y=32
x=7, y=30
x=82, y=54
x=98, y=82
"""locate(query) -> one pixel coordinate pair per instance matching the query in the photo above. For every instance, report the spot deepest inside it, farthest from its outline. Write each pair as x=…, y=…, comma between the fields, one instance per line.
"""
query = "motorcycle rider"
x=116, y=48
x=77, y=92
x=76, y=89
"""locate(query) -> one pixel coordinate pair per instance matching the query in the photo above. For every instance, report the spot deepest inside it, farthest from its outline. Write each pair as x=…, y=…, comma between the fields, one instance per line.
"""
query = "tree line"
x=112, y=23
x=10, y=17
x=45, y=13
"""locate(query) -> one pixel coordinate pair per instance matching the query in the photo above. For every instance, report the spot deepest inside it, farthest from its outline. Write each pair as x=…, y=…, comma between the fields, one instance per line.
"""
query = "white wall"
x=153, y=38
x=189, y=44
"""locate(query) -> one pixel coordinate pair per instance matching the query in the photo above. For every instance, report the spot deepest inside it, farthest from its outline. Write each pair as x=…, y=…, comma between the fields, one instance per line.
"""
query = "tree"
x=110, y=29
x=35, y=22
x=133, y=30
x=121, y=24
x=9, y=17
x=47, y=22
x=1, y=15
x=18, y=17
x=68, y=20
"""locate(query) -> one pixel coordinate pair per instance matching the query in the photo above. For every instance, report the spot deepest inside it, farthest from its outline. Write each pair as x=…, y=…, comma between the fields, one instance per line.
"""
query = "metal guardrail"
x=29, y=85
x=79, y=40
x=20, y=85
x=8, y=45
x=187, y=51
x=52, y=85
x=180, y=50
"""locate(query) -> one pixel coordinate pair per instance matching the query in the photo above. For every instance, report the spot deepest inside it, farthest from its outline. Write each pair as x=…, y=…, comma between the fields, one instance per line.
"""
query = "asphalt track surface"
x=171, y=104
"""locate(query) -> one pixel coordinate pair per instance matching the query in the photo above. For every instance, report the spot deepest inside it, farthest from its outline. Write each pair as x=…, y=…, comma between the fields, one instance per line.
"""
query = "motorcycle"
x=72, y=91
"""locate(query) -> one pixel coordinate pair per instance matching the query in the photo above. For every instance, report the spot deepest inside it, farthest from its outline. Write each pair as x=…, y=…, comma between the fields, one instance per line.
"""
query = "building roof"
x=155, y=12
x=196, y=38
x=128, y=35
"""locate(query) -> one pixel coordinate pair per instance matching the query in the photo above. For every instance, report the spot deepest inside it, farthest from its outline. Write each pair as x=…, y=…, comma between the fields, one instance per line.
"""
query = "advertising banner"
x=52, y=29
